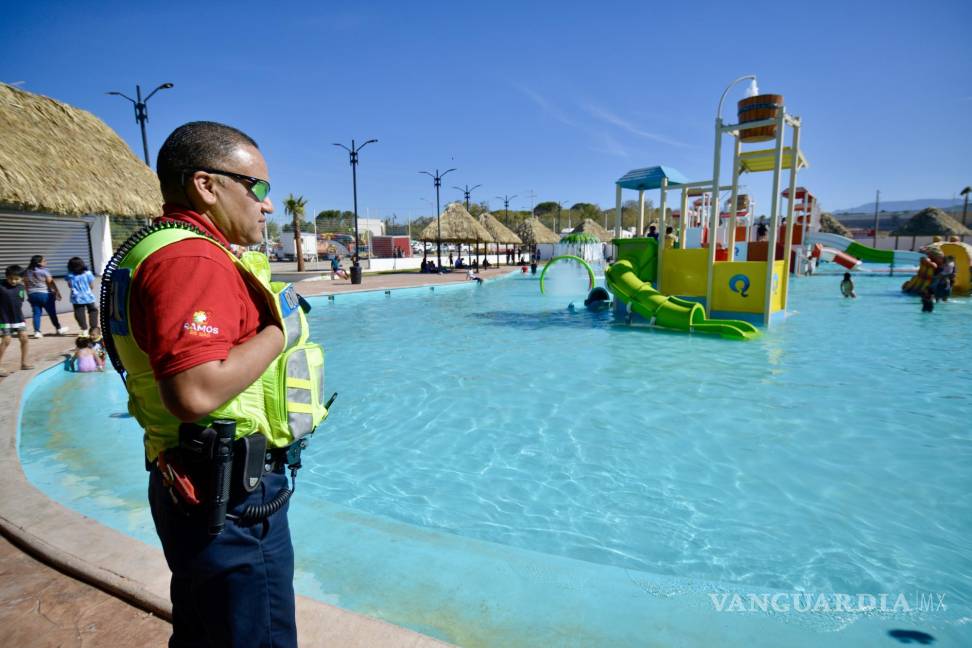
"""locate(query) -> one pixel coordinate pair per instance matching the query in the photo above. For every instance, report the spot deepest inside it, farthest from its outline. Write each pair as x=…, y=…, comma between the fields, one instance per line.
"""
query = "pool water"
x=830, y=455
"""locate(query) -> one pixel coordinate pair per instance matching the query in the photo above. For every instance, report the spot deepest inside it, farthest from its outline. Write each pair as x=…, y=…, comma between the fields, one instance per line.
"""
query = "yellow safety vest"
x=284, y=404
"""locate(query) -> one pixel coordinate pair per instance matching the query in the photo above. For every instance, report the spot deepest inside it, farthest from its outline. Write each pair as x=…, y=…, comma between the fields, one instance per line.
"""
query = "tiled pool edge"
x=127, y=568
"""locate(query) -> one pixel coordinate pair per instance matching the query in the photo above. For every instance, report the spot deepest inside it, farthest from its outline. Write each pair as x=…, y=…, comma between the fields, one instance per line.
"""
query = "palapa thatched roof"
x=457, y=226
x=931, y=221
x=830, y=225
x=500, y=232
x=593, y=227
x=533, y=232
x=57, y=159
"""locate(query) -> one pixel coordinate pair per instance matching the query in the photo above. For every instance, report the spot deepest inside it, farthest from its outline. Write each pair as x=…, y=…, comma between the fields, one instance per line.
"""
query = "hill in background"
x=903, y=205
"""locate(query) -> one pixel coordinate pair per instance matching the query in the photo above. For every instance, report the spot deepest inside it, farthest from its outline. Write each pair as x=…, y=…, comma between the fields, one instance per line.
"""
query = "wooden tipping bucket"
x=758, y=108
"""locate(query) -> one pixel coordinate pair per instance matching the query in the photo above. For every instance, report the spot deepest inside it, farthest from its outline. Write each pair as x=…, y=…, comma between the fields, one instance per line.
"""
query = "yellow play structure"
x=747, y=283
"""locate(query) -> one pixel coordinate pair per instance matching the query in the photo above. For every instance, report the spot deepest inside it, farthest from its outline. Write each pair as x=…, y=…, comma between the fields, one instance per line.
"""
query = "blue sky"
x=554, y=99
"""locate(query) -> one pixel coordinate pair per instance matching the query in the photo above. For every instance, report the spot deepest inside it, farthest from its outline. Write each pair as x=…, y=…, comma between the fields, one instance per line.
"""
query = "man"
x=199, y=334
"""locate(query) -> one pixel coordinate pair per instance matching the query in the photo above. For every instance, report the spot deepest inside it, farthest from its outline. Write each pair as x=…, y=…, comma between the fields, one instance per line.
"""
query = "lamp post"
x=877, y=202
x=438, y=221
x=141, y=111
x=506, y=207
x=714, y=206
x=560, y=208
x=465, y=192
x=965, y=208
x=353, y=154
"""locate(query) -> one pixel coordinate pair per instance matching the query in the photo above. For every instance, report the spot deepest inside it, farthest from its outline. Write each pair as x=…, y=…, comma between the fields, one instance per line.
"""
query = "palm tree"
x=294, y=207
x=965, y=208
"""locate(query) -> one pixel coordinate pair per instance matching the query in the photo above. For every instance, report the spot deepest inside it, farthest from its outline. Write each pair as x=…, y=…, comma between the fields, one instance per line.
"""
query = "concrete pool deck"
x=72, y=546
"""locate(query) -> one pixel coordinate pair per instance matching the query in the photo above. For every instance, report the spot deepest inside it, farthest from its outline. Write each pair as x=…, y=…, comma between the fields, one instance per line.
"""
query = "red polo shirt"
x=190, y=304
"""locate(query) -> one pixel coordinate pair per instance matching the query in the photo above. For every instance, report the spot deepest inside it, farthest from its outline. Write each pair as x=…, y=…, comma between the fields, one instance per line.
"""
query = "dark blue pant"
x=236, y=589
x=41, y=302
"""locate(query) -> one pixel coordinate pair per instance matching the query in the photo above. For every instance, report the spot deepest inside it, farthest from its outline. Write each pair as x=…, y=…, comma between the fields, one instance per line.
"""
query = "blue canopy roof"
x=651, y=178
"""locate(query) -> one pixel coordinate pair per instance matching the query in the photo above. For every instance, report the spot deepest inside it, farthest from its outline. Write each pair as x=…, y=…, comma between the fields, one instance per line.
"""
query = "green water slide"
x=870, y=255
x=666, y=311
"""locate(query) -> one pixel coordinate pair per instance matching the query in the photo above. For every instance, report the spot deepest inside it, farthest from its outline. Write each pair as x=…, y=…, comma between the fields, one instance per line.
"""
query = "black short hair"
x=14, y=271
x=192, y=146
x=76, y=265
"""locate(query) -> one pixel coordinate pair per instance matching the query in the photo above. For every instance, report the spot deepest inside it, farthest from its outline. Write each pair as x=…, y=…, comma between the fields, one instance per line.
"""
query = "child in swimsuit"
x=85, y=359
x=847, y=286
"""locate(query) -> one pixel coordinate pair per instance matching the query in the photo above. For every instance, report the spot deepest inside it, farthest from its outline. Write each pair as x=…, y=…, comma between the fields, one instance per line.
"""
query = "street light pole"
x=353, y=154
x=560, y=208
x=506, y=207
x=141, y=111
x=438, y=223
x=466, y=191
x=877, y=201
x=965, y=208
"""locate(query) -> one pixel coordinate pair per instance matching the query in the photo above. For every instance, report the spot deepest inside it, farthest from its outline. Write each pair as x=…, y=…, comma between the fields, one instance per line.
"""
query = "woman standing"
x=42, y=293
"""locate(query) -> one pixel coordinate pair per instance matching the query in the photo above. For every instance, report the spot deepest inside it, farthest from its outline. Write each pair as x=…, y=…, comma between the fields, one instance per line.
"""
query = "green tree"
x=582, y=210
x=544, y=207
x=305, y=226
x=476, y=209
x=273, y=229
x=294, y=206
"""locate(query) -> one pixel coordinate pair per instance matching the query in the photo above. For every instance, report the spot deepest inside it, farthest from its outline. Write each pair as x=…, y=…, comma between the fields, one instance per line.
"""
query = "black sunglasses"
x=259, y=188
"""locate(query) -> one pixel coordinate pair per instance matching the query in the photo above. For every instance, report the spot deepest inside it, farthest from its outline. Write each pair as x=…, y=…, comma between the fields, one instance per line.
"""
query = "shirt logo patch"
x=199, y=325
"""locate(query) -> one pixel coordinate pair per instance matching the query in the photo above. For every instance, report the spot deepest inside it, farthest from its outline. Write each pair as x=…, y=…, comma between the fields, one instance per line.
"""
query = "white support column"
x=733, y=208
x=99, y=231
x=641, y=213
x=713, y=215
x=683, y=219
x=774, y=229
x=788, y=245
x=661, y=232
x=617, y=212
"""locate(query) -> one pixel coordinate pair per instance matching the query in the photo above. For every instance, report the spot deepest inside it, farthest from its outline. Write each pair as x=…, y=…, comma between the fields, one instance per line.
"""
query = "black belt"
x=275, y=459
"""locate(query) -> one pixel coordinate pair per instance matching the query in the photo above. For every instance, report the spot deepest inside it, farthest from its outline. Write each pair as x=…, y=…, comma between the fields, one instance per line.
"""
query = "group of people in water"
x=939, y=289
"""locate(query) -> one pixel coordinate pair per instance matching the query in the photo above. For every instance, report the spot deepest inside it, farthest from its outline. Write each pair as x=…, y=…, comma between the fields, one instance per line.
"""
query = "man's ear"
x=201, y=190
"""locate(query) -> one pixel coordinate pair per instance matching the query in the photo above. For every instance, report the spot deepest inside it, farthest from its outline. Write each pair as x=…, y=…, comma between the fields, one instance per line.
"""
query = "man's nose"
x=267, y=207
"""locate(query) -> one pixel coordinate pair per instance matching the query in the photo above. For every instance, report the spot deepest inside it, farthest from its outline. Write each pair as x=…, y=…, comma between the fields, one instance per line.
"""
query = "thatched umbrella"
x=831, y=225
x=931, y=221
x=533, y=232
x=592, y=227
x=457, y=226
x=500, y=232
x=57, y=159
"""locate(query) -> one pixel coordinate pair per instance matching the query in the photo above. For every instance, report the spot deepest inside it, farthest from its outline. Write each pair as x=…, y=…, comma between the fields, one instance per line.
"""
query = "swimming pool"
x=495, y=463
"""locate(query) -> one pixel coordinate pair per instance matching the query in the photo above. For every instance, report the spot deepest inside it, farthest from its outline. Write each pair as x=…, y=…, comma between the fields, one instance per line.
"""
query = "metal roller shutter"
x=57, y=238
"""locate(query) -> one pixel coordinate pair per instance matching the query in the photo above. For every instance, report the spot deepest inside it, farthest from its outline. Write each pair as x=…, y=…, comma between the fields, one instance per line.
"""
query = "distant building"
x=63, y=173
x=374, y=225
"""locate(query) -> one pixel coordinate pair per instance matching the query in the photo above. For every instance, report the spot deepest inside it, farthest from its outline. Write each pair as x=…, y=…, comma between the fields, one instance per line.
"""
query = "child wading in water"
x=85, y=359
x=12, y=323
x=847, y=286
x=927, y=303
